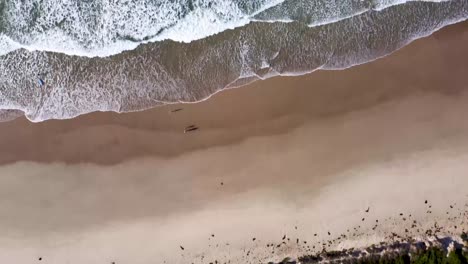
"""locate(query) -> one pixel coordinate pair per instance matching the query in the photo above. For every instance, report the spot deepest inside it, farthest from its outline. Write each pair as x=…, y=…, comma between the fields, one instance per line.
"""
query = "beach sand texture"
x=294, y=156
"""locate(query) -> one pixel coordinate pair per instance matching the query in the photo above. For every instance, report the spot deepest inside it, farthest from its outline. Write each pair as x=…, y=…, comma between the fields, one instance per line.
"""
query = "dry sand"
x=311, y=152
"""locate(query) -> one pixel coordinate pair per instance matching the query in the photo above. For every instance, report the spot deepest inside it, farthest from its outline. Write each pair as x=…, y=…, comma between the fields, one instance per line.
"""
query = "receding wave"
x=181, y=59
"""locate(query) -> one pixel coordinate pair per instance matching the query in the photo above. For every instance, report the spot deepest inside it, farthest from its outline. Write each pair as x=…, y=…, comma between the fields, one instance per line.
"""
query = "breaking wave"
x=104, y=27
x=122, y=55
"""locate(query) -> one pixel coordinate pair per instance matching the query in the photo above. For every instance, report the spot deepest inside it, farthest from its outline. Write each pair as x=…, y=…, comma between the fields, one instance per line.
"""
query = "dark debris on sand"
x=397, y=252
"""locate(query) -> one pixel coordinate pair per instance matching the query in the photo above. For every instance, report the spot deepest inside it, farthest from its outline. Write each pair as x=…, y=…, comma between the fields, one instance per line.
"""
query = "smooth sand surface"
x=294, y=156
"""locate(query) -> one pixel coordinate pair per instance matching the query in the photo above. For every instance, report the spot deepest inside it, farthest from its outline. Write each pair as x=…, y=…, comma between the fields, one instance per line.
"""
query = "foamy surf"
x=103, y=28
x=168, y=71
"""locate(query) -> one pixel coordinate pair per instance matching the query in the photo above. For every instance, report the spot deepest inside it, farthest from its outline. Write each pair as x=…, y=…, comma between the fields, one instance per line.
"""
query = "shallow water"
x=103, y=27
x=174, y=55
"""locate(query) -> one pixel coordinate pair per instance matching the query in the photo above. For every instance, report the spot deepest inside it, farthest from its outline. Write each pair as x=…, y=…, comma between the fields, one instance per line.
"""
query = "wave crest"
x=104, y=28
x=169, y=72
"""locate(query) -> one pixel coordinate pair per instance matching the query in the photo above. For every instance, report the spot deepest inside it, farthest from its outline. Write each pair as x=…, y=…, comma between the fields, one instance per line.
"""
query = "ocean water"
x=130, y=55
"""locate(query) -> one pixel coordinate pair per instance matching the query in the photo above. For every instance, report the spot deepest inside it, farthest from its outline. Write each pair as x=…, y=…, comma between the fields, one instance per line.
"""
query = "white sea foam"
x=382, y=4
x=103, y=28
x=99, y=28
x=7, y=44
x=76, y=86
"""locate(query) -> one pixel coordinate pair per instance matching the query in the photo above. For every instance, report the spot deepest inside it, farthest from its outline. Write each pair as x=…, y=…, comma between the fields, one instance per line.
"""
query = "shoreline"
x=380, y=144
x=308, y=98
x=178, y=72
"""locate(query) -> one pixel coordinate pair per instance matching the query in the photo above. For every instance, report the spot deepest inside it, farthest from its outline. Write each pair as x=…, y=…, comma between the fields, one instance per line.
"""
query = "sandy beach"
x=302, y=157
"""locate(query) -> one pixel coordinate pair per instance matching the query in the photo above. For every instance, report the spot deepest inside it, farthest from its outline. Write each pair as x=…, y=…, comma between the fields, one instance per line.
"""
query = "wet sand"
x=310, y=152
